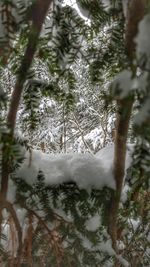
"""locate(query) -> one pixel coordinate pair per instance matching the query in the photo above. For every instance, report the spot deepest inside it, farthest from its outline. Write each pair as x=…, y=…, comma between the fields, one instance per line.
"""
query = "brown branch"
x=7, y=205
x=75, y=121
x=38, y=16
x=136, y=11
x=123, y=118
x=53, y=241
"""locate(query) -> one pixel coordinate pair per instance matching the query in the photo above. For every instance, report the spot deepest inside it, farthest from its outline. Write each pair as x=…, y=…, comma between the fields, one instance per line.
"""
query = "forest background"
x=74, y=80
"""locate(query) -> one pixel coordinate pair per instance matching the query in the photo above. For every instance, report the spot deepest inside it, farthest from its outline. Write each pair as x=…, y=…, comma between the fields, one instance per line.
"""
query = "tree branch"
x=10, y=209
x=136, y=11
x=39, y=12
x=38, y=16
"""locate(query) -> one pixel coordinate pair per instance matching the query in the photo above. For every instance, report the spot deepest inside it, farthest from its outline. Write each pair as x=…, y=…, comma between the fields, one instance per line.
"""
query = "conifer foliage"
x=65, y=70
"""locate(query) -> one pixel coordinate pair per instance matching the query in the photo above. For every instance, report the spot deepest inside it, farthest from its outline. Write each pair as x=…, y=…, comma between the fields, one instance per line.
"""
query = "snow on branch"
x=143, y=38
x=86, y=170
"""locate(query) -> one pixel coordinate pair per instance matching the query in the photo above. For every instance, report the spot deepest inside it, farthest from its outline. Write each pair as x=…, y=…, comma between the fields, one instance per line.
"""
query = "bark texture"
x=136, y=11
x=39, y=12
x=38, y=16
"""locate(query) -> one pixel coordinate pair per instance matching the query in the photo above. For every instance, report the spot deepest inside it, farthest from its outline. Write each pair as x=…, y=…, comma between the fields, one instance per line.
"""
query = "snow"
x=86, y=170
x=87, y=244
x=124, y=262
x=21, y=215
x=83, y=11
x=107, y=4
x=142, y=81
x=103, y=246
x=124, y=83
x=11, y=193
x=106, y=155
x=125, y=7
x=144, y=110
x=106, y=247
x=124, y=195
x=143, y=113
x=143, y=38
x=95, y=137
x=135, y=223
x=93, y=223
x=120, y=245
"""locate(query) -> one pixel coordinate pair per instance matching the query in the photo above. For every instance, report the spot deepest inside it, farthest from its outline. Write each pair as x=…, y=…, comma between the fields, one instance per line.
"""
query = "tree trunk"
x=39, y=12
x=136, y=11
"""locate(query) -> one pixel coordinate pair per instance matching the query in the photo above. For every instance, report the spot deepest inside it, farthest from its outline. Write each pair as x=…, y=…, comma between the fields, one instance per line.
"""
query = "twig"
x=81, y=132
